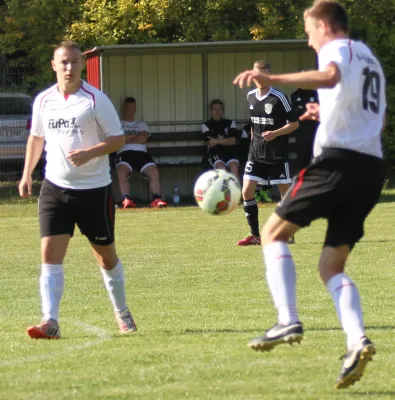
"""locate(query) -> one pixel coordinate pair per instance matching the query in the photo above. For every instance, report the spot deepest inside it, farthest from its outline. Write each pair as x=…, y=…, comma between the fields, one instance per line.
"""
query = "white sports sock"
x=115, y=284
x=51, y=289
x=281, y=278
x=348, y=307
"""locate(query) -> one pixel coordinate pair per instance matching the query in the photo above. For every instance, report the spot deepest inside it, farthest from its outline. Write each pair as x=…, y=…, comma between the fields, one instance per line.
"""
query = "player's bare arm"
x=34, y=149
x=223, y=142
x=327, y=78
x=139, y=138
x=285, y=130
x=111, y=144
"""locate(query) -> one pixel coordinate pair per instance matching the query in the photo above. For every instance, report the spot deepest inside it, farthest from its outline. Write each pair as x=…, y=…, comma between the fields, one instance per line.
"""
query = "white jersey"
x=81, y=121
x=352, y=112
x=130, y=128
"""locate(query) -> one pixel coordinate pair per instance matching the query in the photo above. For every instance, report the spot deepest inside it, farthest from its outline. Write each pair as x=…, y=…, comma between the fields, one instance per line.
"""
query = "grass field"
x=197, y=299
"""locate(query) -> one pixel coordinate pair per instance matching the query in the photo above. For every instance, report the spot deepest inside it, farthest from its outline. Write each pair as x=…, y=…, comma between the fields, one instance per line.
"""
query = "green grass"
x=197, y=299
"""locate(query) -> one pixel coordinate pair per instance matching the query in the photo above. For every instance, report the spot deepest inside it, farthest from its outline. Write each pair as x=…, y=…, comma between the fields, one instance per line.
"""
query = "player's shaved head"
x=67, y=44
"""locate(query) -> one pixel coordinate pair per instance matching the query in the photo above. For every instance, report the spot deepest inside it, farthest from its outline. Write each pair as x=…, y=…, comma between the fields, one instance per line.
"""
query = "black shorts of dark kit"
x=136, y=160
x=341, y=186
x=224, y=154
x=92, y=210
x=267, y=174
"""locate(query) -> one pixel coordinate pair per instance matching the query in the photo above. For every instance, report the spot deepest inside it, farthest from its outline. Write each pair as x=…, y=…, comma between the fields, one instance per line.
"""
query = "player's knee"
x=122, y=173
x=276, y=230
x=108, y=262
x=247, y=192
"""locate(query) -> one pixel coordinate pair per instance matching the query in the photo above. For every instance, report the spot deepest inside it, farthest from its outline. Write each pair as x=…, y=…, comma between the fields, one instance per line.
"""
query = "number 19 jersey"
x=352, y=112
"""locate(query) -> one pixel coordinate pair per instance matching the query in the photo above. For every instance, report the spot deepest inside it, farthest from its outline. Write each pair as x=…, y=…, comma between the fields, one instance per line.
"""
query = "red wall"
x=93, y=70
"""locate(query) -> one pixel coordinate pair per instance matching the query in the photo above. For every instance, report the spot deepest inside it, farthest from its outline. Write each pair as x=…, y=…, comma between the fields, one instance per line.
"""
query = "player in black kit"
x=272, y=119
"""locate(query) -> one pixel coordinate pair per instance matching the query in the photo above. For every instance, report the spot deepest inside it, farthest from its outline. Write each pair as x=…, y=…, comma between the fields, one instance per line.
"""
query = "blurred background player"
x=221, y=135
x=134, y=155
x=261, y=191
x=272, y=120
x=305, y=134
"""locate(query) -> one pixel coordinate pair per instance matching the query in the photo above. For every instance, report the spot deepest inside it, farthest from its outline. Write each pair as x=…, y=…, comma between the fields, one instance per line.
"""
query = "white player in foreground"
x=348, y=155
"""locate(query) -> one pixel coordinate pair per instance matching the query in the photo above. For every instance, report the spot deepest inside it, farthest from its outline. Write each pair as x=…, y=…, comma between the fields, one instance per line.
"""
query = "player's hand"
x=249, y=76
x=211, y=142
x=78, y=157
x=269, y=135
x=312, y=112
x=25, y=187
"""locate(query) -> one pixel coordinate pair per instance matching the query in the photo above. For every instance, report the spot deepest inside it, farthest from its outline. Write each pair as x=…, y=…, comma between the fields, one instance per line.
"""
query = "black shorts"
x=92, y=210
x=268, y=174
x=225, y=154
x=341, y=186
x=138, y=160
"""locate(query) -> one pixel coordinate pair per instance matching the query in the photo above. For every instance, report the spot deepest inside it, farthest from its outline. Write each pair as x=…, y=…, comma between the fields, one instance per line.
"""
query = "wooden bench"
x=178, y=156
x=176, y=148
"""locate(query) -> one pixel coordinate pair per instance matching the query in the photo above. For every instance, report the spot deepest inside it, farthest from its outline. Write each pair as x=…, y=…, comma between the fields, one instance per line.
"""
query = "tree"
x=31, y=29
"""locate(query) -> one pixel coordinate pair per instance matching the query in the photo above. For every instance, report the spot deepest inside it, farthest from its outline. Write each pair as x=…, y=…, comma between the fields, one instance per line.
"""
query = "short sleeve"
x=37, y=126
x=107, y=117
x=144, y=127
x=290, y=115
x=338, y=53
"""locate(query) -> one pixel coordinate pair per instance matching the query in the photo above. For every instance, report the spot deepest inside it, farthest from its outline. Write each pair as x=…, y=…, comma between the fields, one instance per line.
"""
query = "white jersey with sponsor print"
x=81, y=121
x=352, y=112
x=130, y=128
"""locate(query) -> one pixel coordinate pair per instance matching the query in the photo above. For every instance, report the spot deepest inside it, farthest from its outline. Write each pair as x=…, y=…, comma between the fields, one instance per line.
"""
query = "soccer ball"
x=217, y=192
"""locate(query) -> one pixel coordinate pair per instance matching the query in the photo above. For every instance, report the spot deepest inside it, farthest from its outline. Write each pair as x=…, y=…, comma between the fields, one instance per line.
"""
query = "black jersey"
x=269, y=113
x=222, y=129
x=307, y=128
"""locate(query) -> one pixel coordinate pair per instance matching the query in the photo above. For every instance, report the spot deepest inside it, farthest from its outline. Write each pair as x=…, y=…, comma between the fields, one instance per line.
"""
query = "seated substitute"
x=134, y=155
x=272, y=119
x=220, y=135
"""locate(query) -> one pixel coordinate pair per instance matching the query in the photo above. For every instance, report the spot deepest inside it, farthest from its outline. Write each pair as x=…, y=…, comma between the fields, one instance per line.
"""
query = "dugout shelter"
x=173, y=85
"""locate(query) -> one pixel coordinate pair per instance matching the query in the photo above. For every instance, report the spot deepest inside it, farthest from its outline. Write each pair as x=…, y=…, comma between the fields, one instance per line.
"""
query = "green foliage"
x=31, y=29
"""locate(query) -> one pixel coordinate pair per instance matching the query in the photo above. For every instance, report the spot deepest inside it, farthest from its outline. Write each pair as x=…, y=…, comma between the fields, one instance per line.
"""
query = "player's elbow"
x=117, y=142
x=293, y=126
x=331, y=77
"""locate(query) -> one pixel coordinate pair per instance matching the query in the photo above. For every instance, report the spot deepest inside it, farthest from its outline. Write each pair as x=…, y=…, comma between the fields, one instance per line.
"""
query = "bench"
x=176, y=148
x=178, y=156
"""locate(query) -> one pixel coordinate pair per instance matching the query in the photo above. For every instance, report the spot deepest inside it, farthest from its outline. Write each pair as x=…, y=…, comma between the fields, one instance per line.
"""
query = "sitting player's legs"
x=233, y=166
x=124, y=170
x=151, y=171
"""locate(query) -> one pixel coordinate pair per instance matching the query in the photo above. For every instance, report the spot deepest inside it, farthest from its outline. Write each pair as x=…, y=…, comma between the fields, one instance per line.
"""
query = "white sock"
x=51, y=289
x=281, y=278
x=348, y=307
x=115, y=284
